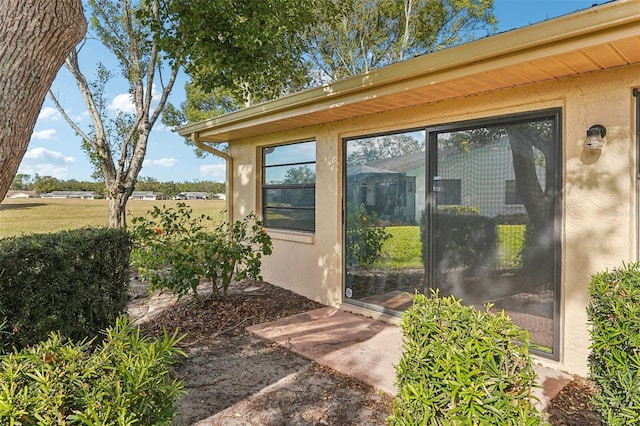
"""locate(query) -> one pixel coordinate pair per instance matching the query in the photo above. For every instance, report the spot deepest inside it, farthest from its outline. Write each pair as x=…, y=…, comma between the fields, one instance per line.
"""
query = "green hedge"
x=462, y=366
x=463, y=241
x=122, y=381
x=457, y=210
x=75, y=282
x=614, y=359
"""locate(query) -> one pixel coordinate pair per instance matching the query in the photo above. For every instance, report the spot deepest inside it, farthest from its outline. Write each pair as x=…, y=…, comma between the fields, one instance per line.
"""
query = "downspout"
x=195, y=138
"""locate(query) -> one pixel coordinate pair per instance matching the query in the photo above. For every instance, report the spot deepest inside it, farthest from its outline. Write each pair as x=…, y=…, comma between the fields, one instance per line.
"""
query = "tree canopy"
x=302, y=44
x=356, y=36
x=366, y=150
x=249, y=48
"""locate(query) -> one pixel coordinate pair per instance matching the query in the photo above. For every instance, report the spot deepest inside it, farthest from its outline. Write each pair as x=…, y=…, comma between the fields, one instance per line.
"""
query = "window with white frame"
x=289, y=186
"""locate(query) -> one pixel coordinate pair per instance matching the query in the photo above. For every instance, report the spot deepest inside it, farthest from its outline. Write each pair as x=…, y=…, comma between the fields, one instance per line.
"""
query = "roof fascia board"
x=581, y=29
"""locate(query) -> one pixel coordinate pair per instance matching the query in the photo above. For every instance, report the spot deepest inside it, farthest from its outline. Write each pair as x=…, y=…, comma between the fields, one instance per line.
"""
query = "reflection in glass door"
x=469, y=210
x=493, y=227
x=384, y=205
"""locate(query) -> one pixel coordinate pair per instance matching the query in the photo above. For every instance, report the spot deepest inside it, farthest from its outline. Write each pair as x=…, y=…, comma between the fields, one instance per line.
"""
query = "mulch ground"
x=572, y=406
x=248, y=303
x=219, y=326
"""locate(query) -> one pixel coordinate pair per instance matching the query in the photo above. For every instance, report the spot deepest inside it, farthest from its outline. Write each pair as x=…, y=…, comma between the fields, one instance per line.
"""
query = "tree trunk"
x=537, y=253
x=118, y=209
x=37, y=35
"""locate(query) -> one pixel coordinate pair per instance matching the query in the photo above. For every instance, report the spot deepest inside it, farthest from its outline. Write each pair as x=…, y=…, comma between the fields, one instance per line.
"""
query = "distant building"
x=84, y=195
x=220, y=196
x=146, y=195
x=22, y=194
x=192, y=196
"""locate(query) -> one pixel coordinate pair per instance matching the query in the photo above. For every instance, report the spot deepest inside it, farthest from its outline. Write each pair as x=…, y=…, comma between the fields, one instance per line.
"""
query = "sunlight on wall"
x=245, y=174
x=329, y=264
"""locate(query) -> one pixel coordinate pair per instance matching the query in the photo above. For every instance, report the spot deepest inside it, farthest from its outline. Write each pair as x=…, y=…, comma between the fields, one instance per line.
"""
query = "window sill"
x=293, y=236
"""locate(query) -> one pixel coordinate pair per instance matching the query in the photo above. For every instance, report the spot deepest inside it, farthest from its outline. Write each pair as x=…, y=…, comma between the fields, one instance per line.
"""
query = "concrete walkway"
x=364, y=348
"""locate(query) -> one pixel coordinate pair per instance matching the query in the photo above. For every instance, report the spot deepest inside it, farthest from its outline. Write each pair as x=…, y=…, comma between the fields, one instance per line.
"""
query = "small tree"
x=117, y=145
x=174, y=251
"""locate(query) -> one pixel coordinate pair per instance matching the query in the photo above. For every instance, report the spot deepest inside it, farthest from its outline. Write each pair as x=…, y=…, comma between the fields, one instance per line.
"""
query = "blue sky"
x=54, y=149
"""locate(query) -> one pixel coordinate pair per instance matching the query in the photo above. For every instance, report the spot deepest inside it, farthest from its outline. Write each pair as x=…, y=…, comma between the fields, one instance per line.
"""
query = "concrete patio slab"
x=364, y=348
x=350, y=344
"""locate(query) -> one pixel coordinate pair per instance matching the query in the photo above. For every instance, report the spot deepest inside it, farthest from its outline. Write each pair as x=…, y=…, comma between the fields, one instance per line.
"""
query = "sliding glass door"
x=468, y=209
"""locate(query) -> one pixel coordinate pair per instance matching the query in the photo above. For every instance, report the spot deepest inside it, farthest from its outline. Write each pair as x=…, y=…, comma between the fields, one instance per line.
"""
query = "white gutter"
x=195, y=138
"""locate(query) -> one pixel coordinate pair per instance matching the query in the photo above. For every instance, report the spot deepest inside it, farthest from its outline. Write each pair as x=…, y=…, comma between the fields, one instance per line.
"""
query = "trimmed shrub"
x=462, y=366
x=123, y=381
x=457, y=210
x=75, y=282
x=614, y=359
x=463, y=240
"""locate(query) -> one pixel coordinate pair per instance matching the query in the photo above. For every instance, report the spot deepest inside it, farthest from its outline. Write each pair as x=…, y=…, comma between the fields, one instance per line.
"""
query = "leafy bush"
x=75, y=282
x=462, y=366
x=365, y=238
x=614, y=359
x=122, y=381
x=174, y=250
x=510, y=244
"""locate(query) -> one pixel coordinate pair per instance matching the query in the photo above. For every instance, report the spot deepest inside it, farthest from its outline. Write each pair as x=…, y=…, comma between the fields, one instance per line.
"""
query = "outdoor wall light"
x=595, y=135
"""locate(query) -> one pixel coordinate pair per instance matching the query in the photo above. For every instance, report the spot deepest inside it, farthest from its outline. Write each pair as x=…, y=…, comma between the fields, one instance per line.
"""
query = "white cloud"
x=45, y=154
x=155, y=95
x=49, y=112
x=215, y=171
x=159, y=127
x=46, y=134
x=46, y=163
x=123, y=102
x=163, y=162
x=44, y=170
x=80, y=117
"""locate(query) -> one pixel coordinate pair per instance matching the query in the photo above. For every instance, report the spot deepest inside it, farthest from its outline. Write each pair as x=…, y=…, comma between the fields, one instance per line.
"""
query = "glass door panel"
x=493, y=220
x=384, y=206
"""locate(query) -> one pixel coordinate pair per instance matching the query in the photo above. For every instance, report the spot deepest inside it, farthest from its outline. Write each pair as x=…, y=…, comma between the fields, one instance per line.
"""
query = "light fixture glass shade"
x=595, y=136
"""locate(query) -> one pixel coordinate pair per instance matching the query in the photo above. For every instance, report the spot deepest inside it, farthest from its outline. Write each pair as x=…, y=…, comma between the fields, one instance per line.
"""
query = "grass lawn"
x=404, y=248
x=39, y=215
x=510, y=242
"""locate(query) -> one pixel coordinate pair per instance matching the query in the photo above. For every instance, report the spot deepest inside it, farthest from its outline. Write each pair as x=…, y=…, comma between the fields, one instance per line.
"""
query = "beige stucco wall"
x=598, y=220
